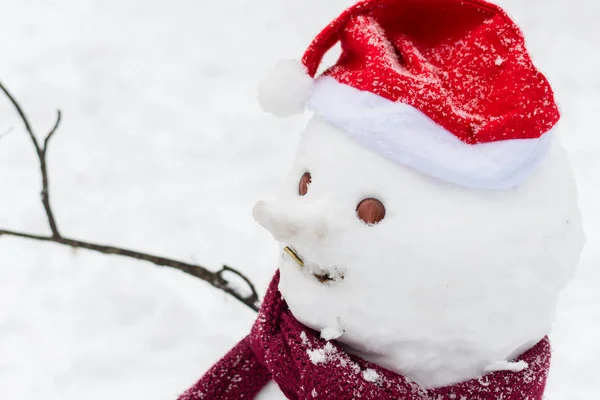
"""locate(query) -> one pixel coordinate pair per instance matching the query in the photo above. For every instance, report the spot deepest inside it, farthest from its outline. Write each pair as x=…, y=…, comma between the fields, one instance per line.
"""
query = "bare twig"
x=216, y=279
x=226, y=268
x=53, y=130
x=41, y=153
x=22, y=116
x=45, y=183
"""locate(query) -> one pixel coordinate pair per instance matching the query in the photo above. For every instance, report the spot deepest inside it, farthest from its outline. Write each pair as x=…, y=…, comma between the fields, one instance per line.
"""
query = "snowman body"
x=451, y=281
x=429, y=221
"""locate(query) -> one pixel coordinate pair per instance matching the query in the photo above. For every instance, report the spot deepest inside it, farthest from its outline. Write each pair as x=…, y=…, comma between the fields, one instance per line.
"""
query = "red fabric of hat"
x=463, y=63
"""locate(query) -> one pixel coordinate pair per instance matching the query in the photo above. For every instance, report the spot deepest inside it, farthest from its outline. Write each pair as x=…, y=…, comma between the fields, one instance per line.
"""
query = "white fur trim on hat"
x=286, y=89
x=407, y=136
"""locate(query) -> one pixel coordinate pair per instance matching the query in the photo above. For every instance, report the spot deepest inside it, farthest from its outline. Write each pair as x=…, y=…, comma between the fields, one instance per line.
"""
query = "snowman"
x=428, y=223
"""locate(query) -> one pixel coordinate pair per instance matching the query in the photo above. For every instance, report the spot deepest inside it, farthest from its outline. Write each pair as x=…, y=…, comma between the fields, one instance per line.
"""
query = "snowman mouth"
x=322, y=276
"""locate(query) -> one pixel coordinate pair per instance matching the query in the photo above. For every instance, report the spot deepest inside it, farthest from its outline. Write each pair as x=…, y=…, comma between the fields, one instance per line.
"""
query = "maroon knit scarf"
x=308, y=367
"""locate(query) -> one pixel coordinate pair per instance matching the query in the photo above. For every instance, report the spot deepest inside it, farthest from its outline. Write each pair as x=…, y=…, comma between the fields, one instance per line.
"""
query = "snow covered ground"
x=163, y=149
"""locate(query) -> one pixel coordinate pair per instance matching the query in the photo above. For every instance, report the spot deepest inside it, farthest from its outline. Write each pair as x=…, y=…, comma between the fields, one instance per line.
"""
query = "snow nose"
x=294, y=224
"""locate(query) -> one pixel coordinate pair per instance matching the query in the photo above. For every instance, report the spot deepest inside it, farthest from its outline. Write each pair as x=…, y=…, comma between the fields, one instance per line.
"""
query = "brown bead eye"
x=370, y=211
x=305, y=181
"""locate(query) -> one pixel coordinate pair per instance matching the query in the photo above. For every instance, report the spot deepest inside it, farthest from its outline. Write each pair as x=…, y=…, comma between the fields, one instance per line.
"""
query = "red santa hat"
x=444, y=86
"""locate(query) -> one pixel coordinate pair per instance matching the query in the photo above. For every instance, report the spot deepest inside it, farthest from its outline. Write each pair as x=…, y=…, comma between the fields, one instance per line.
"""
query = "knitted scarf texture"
x=307, y=367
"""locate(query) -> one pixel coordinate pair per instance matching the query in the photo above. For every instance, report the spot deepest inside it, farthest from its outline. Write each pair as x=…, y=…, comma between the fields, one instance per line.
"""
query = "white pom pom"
x=286, y=89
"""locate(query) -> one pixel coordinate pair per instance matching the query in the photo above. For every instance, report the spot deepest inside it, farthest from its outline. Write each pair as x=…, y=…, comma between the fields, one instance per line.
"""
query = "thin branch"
x=45, y=181
x=22, y=115
x=53, y=130
x=41, y=153
x=254, y=297
x=216, y=279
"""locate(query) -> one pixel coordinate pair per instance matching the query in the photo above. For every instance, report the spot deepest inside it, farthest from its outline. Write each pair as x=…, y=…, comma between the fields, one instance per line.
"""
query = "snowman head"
x=430, y=215
x=448, y=281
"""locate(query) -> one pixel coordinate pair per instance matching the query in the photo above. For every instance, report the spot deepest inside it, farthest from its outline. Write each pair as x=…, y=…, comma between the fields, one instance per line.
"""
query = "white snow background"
x=163, y=149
